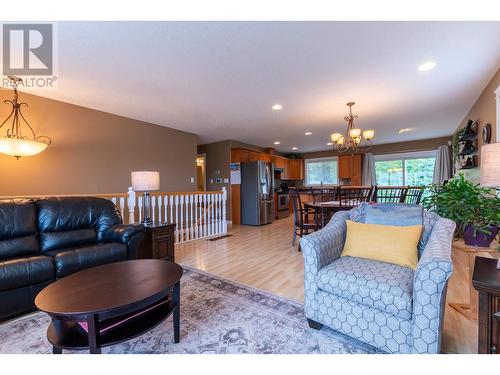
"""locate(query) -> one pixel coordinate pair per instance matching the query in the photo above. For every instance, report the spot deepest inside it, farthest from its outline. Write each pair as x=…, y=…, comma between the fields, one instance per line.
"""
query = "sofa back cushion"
x=19, y=228
x=358, y=214
x=72, y=221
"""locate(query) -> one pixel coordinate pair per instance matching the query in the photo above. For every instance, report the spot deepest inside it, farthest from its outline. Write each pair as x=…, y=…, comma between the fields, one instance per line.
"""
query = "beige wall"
x=94, y=152
x=218, y=157
x=389, y=148
x=483, y=111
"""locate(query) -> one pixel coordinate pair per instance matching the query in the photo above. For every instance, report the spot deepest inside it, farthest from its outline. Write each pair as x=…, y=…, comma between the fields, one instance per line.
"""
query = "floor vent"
x=220, y=237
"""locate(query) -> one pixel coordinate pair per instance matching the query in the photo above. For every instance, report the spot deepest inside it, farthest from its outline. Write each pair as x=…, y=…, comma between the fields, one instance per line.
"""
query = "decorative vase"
x=480, y=239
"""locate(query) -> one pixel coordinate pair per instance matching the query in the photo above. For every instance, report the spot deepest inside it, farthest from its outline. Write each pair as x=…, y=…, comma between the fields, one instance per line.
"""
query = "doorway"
x=201, y=162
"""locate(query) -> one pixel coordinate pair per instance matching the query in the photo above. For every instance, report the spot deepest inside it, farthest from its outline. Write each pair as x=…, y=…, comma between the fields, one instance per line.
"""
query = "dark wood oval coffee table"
x=108, y=304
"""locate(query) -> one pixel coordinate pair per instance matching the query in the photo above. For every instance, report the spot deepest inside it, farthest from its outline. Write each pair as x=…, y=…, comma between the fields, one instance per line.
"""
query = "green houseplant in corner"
x=475, y=209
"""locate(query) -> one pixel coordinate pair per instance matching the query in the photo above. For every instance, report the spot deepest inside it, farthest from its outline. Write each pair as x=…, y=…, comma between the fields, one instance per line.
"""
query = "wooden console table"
x=469, y=310
x=486, y=280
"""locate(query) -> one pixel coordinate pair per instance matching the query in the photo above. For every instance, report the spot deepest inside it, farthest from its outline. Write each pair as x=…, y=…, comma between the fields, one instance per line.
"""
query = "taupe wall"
x=94, y=152
x=218, y=157
x=483, y=111
x=389, y=148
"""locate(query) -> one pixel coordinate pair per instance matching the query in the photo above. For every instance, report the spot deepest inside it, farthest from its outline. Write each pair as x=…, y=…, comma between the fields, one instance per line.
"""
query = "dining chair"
x=352, y=196
x=325, y=195
x=389, y=194
x=414, y=194
x=301, y=224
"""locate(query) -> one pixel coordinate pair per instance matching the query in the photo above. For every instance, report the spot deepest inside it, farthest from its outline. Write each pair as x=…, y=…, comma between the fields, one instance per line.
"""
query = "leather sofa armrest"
x=129, y=234
x=122, y=232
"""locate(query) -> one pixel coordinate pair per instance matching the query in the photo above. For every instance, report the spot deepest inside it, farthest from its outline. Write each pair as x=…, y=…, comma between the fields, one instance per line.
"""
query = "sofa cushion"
x=23, y=271
x=385, y=286
x=86, y=218
x=383, y=243
x=18, y=232
x=74, y=259
x=396, y=214
x=68, y=238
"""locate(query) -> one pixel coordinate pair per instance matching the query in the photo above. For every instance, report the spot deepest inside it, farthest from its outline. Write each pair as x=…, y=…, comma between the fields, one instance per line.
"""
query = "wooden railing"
x=197, y=214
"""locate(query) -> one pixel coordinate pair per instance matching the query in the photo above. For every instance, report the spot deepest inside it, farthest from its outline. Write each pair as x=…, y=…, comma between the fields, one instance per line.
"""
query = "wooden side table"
x=469, y=310
x=486, y=280
x=158, y=242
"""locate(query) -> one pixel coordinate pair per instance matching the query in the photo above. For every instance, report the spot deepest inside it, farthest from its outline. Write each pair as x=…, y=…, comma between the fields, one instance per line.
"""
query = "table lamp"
x=145, y=181
x=490, y=169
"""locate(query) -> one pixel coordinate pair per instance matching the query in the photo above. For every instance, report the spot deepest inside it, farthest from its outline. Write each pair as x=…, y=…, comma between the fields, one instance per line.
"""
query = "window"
x=323, y=171
x=413, y=168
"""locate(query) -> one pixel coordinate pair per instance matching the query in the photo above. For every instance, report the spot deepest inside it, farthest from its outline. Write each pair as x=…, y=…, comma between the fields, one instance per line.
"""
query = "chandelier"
x=352, y=138
x=15, y=142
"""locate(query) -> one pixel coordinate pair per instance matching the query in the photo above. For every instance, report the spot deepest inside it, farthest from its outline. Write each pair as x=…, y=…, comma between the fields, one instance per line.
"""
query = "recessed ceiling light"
x=277, y=107
x=276, y=142
x=307, y=133
x=405, y=130
x=295, y=148
x=426, y=66
x=329, y=144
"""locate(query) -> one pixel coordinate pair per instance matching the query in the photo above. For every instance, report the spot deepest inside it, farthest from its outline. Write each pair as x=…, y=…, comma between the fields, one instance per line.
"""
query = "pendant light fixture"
x=353, y=137
x=14, y=142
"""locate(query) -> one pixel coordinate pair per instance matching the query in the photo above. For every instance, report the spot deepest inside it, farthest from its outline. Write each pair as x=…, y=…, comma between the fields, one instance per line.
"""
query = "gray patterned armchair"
x=394, y=308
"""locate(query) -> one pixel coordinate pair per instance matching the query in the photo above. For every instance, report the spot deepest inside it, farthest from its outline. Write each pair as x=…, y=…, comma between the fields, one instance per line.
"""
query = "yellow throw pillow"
x=385, y=243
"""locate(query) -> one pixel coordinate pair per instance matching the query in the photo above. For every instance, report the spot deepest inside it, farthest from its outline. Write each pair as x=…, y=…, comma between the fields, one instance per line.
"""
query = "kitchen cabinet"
x=294, y=169
x=253, y=156
x=239, y=156
x=350, y=168
x=265, y=157
x=278, y=162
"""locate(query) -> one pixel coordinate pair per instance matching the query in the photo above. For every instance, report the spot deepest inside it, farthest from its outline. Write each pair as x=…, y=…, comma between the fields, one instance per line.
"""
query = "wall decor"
x=487, y=133
x=465, y=146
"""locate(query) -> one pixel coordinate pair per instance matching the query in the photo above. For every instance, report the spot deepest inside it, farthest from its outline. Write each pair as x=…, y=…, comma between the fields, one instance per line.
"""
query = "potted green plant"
x=475, y=209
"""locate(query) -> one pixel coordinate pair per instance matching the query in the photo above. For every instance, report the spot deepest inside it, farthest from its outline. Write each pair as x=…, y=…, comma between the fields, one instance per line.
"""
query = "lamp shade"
x=355, y=133
x=21, y=147
x=145, y=180
x=369, y=134
x=490, y=165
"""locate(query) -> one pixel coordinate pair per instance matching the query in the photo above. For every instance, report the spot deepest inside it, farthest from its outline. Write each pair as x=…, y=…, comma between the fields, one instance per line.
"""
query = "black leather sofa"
x=42, y=240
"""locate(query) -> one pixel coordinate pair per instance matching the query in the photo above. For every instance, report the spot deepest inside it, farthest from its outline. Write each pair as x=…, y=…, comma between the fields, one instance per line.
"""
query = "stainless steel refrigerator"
x=257, y=193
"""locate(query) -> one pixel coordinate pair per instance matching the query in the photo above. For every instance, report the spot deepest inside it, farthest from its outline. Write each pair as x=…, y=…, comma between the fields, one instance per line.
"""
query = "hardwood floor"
x=262, y=257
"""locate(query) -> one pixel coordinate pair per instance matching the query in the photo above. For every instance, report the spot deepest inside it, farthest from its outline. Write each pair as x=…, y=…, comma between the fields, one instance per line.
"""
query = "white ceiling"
x=220, y=79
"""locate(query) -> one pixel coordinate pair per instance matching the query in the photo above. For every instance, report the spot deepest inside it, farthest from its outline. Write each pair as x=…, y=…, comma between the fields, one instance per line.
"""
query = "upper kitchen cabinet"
x=350, y=168
x=294, y=169
x=279, y=162
x=265, y=157
x=239, y=155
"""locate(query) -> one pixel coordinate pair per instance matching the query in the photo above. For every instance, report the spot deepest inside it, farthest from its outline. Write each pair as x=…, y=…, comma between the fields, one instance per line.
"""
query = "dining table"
x=326, y=210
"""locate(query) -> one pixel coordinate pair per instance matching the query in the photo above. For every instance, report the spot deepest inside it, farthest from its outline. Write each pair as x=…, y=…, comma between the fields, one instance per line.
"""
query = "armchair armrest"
x=129, y=234
x=324, y=246
x=429, y=288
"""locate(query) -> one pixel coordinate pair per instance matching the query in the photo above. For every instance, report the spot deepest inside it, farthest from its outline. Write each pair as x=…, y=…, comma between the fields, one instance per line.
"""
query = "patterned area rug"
x=217, y=316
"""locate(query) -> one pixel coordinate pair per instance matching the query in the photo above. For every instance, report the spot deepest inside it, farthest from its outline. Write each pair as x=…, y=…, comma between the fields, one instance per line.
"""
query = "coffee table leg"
x=93, y=334
x=56, y=350
x=177, y=311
